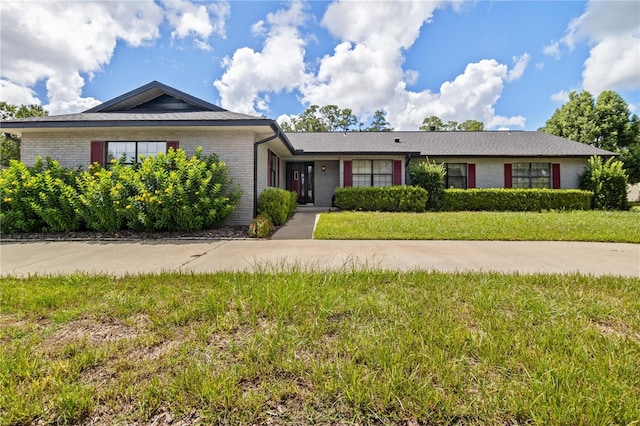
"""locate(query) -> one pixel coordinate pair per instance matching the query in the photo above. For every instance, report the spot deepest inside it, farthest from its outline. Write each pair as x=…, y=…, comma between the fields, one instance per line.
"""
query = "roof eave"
x=135, y=123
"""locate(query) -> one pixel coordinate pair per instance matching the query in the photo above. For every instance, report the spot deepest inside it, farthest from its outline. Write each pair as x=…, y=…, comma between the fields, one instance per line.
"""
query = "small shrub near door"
x=277, y=204
x=383, y=199
x=260, y=227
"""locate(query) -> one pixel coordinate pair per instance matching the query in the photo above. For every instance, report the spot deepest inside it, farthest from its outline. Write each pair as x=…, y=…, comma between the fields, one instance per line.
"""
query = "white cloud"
x=612, y=29
x=62, y=43
x=520, y=65
x=560, y=97
x=17, y=95
x=365, y=70
x=279, y=66
x=199, y=21
x=57, y=41
x=470, y=96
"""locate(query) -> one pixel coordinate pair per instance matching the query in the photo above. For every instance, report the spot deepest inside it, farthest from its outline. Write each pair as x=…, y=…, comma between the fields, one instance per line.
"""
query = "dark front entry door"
x=300, y=180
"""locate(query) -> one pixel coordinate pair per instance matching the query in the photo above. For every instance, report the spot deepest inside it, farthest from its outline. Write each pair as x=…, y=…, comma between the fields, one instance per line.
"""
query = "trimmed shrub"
x=260, y=227
x=277, y=204
x=608, y=182
x=430, y=176
x=384, y=199
x=494, y=199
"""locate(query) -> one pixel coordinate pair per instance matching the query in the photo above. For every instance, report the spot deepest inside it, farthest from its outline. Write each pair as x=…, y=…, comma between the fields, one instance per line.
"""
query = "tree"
x=604, y=122
x=379, y=123
x=432, y=123
x=471, y=126
x=10, y=144
x=328, y=118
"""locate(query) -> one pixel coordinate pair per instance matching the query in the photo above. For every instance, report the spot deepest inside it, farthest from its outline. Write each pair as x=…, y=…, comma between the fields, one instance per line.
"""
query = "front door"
x=300, y=180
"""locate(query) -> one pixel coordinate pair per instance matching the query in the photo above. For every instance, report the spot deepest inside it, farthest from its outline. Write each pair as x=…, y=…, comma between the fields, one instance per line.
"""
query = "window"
x=531, y=175
x=273, y=169
x=134, y=151
x=367, y=173
x=456, y=176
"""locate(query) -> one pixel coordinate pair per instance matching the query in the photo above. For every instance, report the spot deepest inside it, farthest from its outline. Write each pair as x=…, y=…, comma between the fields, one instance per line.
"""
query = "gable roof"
x=142, y=99
x=153, y=104
x=443, y=144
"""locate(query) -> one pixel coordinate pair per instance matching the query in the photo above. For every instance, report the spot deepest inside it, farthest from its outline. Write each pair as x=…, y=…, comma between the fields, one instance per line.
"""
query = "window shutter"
x=397, y=172
x=508, y=178
x=278, y=172
x=348, y=177
x=97, y=152
x=555, y=176
x=471, y=175
x=172, y=144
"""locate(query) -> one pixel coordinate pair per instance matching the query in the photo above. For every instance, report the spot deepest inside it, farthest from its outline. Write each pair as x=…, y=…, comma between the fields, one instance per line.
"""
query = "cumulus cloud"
x=471, y=95
x=613, y=31
x=16, y=94
x=199, y=21
x=63, y=43
x=365, y=71
x=560, y=97
x=249, y=75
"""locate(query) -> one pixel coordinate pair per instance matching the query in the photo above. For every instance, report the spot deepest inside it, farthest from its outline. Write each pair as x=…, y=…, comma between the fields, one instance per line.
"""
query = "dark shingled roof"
x=444, y=144
x=153, y=104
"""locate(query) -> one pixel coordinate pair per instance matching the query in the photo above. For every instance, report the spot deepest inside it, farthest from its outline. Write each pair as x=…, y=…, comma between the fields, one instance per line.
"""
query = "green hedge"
x=169, y=192
x=277, y=204
x=384, y=199
x=516, y=199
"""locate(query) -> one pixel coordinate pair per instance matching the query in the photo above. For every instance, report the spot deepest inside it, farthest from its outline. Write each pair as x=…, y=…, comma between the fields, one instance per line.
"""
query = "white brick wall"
x=233, y=146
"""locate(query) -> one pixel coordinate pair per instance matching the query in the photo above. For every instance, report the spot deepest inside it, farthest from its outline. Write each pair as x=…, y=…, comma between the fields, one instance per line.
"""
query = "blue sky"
x=509, y=64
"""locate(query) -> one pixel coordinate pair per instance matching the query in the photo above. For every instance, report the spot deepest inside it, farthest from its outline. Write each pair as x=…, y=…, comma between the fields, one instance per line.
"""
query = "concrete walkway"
x=119, y=258
x=301, y=225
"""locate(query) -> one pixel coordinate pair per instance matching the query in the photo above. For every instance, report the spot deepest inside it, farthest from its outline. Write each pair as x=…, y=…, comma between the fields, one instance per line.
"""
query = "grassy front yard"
x=323, y=348
x=510, y=226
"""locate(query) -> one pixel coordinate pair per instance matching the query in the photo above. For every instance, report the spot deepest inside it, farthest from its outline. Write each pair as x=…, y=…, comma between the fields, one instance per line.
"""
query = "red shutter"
x=471, y=175
x=508, y=178
x=172, y=144
x=397, y=172
x=278, y=172
x=348, y=177
x=555, y=176
x=97, y=152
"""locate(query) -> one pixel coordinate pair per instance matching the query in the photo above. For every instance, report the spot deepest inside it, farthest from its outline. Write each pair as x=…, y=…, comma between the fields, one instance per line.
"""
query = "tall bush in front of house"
x=277, y=204
x=430, y=176
x=608, y=182
x=38, y=198
x=172, y=192
x=383, y=199
x=165, y=193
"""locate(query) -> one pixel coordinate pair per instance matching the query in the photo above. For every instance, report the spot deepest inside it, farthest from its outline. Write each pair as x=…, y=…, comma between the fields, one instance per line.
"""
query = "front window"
x=134, y=152
x=456, y=176
x=531, y=175
x=372, y=173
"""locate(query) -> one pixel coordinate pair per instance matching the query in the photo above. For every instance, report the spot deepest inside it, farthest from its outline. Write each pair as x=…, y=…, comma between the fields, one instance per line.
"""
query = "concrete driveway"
x=118, y=258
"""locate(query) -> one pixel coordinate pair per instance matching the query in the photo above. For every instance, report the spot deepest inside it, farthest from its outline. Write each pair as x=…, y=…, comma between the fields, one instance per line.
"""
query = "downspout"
x=255, y=170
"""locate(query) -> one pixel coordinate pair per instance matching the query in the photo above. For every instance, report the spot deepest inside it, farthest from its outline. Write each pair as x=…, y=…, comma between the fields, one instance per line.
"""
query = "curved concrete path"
x=118, y=258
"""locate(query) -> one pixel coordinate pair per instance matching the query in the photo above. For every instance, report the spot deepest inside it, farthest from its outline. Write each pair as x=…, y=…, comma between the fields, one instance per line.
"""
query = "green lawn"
x=320, y=348
x=510, y=226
